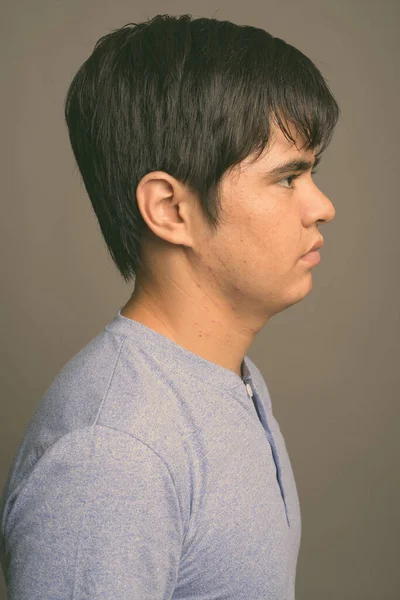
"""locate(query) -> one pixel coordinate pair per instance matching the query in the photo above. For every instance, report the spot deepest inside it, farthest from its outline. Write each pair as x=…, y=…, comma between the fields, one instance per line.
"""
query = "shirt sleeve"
x=98, y=517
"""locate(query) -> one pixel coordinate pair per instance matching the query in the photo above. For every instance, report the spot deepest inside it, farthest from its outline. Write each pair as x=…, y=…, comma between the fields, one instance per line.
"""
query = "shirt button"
x=249, y=390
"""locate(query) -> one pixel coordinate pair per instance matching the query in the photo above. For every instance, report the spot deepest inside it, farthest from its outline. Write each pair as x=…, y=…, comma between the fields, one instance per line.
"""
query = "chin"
x=299, y=293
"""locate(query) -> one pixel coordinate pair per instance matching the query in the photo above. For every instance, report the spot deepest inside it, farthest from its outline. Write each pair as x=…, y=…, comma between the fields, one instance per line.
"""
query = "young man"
x=153, y=467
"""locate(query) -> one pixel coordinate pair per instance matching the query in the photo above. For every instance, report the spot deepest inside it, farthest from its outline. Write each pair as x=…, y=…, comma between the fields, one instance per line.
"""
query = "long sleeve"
x=96, y=517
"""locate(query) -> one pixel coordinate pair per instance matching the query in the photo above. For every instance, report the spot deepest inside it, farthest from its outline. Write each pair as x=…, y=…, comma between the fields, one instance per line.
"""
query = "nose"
x=325, y=208
x=330, y=211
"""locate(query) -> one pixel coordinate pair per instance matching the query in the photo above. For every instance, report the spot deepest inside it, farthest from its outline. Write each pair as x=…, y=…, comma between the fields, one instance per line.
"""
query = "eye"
x=292, y=177
x=289, y=179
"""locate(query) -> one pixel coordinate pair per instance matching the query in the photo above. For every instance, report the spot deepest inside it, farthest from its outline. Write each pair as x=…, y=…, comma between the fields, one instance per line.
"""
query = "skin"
x=213, y=292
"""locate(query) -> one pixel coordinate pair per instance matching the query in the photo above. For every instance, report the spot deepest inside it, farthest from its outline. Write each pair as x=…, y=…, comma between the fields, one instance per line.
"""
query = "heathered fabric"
x=149, y=473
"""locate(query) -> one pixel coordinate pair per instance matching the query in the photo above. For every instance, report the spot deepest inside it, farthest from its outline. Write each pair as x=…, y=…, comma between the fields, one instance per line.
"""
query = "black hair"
x=190, y=97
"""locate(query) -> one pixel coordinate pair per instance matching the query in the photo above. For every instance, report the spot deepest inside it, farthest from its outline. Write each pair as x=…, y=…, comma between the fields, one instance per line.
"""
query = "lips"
x=318, y=244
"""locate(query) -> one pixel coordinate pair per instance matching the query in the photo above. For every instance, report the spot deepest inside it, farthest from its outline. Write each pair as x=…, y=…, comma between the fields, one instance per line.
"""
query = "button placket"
x=273, y=449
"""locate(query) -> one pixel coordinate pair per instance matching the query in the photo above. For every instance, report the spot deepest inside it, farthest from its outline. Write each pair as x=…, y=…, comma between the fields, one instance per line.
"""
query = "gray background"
x=331, y=361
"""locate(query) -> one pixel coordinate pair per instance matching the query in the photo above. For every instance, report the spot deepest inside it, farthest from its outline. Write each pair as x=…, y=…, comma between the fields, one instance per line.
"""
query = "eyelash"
x=292, y=177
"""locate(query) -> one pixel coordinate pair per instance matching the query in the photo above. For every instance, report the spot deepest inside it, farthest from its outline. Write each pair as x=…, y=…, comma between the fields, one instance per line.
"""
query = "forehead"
x=280, y=147
x=279, y=150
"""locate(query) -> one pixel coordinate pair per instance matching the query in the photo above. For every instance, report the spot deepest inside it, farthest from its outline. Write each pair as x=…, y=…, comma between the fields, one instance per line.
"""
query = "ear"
x=166, y=207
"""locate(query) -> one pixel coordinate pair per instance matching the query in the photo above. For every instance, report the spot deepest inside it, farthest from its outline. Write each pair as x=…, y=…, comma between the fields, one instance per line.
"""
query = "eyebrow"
x=293, y=165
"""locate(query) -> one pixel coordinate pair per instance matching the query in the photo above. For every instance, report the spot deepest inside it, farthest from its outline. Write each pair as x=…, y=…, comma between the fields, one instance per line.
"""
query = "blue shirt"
x=150, y=473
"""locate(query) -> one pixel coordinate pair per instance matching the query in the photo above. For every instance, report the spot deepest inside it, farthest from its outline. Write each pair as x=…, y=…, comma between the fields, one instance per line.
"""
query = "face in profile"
x=270, y=222
x=249, y=269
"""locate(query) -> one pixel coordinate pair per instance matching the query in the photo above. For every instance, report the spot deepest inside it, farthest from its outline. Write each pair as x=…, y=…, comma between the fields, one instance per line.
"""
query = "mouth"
x=318, y=244
x=313, y=257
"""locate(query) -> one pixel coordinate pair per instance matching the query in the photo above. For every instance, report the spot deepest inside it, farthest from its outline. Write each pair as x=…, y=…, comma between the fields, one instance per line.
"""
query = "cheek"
x=258, y=237
x=263, y=234
x=269, y=241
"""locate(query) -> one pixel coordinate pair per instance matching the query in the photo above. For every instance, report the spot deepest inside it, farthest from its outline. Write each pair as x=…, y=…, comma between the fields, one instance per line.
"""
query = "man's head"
x=175, y=124
x=252, y=264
